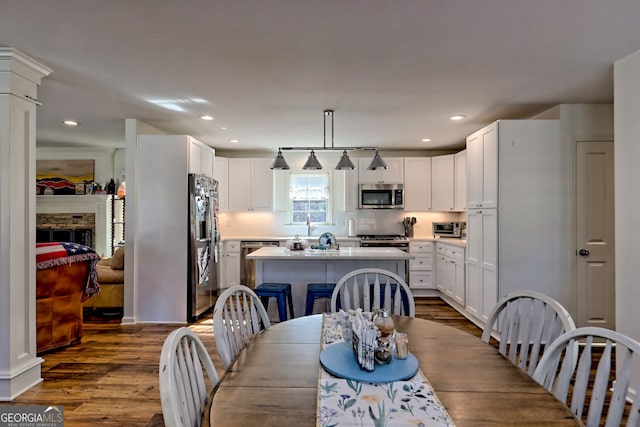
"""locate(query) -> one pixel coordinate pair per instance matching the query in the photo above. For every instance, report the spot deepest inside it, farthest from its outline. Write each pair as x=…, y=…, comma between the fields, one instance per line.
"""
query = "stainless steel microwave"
x=381, y=196
x=449, y=229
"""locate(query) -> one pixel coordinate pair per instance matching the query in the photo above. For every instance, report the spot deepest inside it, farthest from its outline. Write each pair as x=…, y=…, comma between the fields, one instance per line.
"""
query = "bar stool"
x=315, y=291
x=281, y=292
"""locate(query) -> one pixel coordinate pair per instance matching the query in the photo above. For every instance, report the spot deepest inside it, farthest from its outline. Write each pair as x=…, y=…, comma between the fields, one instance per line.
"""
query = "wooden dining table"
x=274, y=381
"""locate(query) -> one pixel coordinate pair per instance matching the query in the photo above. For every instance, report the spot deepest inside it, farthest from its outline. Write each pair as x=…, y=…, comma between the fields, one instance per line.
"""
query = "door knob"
x=583, y=252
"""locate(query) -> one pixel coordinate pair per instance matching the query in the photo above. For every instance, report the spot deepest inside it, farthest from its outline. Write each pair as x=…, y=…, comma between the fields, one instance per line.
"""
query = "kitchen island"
x=281, y=265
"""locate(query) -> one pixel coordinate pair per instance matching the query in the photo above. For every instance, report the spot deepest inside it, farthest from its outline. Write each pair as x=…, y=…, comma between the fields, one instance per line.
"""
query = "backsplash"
x=263, y=224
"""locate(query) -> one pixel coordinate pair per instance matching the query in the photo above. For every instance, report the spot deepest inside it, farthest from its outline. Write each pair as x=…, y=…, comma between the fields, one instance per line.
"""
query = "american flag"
x=60, y=253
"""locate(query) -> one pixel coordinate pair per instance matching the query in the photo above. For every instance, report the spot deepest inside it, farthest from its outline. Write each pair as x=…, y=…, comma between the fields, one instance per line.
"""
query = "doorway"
x=595, y=251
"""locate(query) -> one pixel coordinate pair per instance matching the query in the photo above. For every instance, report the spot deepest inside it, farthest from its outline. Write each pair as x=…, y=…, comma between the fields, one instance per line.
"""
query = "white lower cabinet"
x=421, y=266
x=482, y=287
x=230, y=265
x=450, y=272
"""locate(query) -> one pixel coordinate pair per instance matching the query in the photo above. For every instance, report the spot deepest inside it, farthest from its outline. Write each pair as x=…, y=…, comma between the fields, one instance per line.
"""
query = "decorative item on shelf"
x=122, y=190
x=111, y=187
x=312, y=163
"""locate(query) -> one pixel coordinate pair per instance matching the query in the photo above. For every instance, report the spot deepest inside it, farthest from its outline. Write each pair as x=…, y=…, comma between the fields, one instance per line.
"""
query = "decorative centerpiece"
x=364, y=340
x=385, y=326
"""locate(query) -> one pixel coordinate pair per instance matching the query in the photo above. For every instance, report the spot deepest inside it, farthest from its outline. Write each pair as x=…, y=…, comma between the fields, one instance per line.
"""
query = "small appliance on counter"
x=408, y=223
x=449, y=229
x=296, y=244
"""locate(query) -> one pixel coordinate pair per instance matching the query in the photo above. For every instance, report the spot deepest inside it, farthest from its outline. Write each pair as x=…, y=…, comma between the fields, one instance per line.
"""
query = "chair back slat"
x=524, y=323
x=599, y=348
x=376, y=286
x=183, y=390
x=238, y=316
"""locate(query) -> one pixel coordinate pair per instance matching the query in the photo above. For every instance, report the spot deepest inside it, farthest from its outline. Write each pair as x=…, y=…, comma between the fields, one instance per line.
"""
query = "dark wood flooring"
x=111, y=377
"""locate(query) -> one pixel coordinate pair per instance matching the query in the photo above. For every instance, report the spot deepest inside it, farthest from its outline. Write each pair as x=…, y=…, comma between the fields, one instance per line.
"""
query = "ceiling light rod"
x=327, y=148
x=327, y=113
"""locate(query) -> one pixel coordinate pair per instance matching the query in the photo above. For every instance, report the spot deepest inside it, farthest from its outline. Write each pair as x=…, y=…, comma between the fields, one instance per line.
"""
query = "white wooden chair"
x=237, y=316
x=525, y=322
x=597, y=346
x=373, y=288
x=183, y=389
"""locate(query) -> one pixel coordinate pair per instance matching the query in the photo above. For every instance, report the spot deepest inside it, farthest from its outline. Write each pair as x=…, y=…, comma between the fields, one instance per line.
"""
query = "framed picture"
x=62, y=176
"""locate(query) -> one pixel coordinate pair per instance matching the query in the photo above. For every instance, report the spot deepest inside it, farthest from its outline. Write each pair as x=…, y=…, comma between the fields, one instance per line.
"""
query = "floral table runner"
x=343, y=402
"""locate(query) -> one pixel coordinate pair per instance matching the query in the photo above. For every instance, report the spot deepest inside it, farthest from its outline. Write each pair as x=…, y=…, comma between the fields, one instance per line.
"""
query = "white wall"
x=627, y=176
x=104, y=159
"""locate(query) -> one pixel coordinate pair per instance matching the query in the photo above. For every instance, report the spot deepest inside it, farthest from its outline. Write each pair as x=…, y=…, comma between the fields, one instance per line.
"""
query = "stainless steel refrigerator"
x=203, y=244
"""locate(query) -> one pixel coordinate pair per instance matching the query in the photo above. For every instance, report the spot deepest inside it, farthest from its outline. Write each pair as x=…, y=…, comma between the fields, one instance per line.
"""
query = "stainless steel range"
x=384, y=241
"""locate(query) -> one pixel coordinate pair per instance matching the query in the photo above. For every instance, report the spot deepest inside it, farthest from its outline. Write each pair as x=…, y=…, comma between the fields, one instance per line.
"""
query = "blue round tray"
x=339, y=360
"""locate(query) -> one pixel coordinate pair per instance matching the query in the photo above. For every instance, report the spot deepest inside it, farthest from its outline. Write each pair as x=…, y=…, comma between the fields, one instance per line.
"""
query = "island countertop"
x=344, y=253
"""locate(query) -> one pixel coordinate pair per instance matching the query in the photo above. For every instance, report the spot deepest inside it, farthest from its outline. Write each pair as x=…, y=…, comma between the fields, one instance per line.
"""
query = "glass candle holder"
x=402, y=345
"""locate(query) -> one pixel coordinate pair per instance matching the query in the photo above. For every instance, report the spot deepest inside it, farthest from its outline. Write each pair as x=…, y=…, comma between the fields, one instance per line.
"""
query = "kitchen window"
x=309, y=198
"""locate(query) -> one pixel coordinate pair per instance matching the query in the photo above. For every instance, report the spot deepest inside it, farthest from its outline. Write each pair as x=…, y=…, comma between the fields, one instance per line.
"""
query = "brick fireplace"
x=66, y=227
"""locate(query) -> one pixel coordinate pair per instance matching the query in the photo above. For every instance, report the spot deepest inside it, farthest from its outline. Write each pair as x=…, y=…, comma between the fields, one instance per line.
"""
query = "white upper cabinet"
x=442, y=183
x=482, y=168
x=220, y=174
x=250, y=184
x=417, y=183
x=394, y=174
x=201, y=158
x=460, y=192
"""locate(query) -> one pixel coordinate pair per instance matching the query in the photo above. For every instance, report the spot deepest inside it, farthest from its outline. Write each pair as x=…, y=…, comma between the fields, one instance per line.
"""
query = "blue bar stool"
x=281, y=292
x=315, y=291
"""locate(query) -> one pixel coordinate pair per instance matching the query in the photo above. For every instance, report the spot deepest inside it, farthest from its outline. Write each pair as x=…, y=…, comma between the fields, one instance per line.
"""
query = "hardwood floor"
x=111, y=377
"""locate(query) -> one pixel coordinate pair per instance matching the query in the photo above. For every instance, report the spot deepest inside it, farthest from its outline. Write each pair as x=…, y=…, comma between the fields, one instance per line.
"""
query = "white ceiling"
x=393, y=70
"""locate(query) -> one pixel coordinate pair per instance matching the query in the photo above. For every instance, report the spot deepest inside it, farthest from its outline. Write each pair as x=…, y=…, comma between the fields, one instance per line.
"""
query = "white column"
x=19, y=364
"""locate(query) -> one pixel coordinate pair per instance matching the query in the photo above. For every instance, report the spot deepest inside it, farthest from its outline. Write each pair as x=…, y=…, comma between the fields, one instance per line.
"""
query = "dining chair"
x=373, y=288
x=237, y=316
x=606, y=360
x=183, y=388
x=525, y=323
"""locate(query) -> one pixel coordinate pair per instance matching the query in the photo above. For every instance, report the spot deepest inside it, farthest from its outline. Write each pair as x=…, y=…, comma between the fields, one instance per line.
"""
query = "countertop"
x=314, y=239
x=344, y=253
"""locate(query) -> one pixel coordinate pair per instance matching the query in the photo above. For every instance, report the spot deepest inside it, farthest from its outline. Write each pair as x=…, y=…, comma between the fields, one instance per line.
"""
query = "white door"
x=595, y=234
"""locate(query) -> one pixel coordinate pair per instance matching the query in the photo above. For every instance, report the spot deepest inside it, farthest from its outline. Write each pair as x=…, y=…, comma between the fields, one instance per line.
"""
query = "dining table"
x=275, y=379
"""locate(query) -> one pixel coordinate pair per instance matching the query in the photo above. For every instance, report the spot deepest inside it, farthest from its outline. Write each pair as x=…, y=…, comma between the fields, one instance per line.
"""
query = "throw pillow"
x=117, y=261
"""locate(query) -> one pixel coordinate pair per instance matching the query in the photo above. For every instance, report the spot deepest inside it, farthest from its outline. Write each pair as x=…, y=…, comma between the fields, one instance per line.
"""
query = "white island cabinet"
x=280, y=265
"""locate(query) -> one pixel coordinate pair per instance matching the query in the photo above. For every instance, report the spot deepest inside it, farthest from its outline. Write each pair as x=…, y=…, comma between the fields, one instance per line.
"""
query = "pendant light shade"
x=345, y=162
x=312, y=162
x=279, y=162
x=377, y=162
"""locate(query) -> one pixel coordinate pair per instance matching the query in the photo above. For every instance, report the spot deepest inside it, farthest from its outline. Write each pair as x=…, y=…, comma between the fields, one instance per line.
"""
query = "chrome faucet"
x=308, y=225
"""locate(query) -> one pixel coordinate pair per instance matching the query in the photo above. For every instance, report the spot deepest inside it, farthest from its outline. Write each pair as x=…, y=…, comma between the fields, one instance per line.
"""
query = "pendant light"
x=312, y=162
x=345, y=162
x=279, y=162
x=377, y=163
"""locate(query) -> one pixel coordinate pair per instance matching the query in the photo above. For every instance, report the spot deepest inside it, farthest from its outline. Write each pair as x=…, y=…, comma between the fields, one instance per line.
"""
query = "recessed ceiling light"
x=426, y=140
x=71, y=123
x=206, y=117
x=223, y=128
x=457, y=117
x=234, y=140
